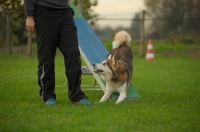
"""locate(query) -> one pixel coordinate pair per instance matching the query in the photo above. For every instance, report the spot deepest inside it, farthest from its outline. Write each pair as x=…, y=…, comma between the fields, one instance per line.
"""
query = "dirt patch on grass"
x=17, y=50
x=193, y=51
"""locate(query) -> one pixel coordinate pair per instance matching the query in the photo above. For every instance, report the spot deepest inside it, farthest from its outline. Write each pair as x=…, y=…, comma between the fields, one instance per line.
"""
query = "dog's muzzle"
x=96, y=70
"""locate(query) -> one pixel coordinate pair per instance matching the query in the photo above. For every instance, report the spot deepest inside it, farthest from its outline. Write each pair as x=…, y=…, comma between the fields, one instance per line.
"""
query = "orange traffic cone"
x=150, y=54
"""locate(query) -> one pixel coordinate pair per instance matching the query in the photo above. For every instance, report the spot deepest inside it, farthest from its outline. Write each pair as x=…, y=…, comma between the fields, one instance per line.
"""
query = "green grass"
x=170, y=90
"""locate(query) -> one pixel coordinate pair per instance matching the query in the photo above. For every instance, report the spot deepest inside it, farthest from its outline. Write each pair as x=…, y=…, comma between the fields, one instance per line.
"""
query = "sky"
x=117, y=9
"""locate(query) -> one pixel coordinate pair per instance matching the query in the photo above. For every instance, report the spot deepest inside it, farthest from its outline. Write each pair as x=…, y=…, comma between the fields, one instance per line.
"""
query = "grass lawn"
x=170, y=90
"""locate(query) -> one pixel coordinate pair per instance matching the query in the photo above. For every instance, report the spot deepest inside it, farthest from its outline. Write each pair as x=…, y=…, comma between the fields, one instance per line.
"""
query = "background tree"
x=85, y=7
x=11, y=5
x=174, y=17
x=14, y=10
x=135, y=26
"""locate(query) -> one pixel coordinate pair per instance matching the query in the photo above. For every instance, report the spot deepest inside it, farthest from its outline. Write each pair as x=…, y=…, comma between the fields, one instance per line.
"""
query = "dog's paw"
x=117, y=102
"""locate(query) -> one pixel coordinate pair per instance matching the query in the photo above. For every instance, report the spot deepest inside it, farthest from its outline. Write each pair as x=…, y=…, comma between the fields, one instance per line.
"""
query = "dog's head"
x=112, y=68
x=102, y=68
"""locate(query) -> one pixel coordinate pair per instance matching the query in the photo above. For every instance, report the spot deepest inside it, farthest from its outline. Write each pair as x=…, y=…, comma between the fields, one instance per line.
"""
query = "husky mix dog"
x=117, y=69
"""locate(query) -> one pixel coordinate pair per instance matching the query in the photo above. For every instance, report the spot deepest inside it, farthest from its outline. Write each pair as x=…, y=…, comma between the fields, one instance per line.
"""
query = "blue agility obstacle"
x=93, y=51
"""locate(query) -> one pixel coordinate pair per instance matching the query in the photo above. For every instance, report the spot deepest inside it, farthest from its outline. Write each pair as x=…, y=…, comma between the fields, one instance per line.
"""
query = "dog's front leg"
x=122, y=96
x=105, y=96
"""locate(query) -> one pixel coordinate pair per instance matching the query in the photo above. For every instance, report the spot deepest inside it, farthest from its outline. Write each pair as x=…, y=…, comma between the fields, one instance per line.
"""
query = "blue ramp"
x=89, y=43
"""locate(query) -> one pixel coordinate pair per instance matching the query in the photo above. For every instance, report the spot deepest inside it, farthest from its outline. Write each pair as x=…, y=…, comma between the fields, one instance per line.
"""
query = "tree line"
x=176, y=20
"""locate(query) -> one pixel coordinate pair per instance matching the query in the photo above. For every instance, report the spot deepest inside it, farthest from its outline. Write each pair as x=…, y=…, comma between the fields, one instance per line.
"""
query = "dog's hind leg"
x=106, y=96
x=122, y=96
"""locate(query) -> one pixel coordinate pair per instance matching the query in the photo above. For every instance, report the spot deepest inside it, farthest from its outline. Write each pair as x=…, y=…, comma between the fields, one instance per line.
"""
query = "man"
x=54, y=25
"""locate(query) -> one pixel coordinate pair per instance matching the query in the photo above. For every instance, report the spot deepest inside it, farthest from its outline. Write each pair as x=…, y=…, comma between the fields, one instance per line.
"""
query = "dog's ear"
x=109, y=56
x=113, y=57
x=113, y=60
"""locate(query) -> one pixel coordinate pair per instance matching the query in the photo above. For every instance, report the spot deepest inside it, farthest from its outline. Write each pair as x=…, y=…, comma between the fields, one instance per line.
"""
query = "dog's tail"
x=121, y=37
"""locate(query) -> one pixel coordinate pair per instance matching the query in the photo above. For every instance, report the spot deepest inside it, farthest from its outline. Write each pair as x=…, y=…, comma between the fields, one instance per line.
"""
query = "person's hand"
x=30, y=24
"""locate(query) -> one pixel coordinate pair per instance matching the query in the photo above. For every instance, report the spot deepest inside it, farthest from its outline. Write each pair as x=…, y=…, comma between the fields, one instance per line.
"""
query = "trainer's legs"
x=47, y=33
x=68, y=45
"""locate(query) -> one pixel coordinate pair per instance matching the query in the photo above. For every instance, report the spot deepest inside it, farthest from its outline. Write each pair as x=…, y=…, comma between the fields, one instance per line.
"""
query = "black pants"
x=56, y=28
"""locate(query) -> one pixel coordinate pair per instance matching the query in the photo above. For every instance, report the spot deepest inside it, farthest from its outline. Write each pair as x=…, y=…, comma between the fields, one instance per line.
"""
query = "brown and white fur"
x=121, y=48
x=116, y=71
